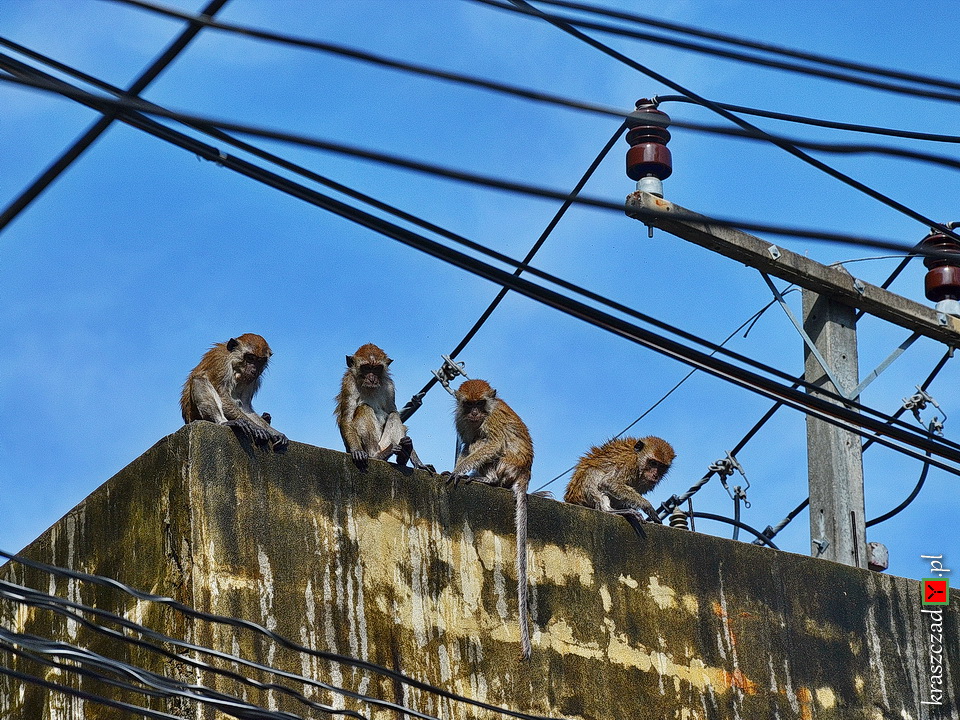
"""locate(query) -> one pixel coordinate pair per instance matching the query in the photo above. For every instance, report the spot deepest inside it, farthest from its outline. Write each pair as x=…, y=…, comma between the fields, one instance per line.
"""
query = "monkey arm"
x=625, y=497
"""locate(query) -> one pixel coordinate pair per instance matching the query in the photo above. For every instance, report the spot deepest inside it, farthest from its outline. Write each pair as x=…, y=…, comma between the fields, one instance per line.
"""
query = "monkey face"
x=653, y=471
x=474, y=412
x=251, y=365
x=370, y=375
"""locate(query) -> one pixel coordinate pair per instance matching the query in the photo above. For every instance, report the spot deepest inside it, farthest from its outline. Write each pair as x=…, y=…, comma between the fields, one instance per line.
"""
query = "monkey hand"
x=455, y=478
x=360, y=458
x=267, y=417
x=254, y=432
x=403, y=450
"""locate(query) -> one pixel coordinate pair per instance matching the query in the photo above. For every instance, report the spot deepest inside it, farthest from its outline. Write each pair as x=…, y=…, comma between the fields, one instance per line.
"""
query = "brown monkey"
x=221, y=388
x=613, y=477
x=367, y=410
x=496, y=449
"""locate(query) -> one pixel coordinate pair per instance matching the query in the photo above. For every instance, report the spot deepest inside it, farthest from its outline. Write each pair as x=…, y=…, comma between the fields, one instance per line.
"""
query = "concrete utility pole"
x=830, y=298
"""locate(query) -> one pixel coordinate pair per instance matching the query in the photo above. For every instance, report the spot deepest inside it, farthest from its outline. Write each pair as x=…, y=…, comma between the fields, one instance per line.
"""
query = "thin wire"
x=772, y=531
x=753, y=318
x=829, y=412
x=414, y=404
x=755, y=45
x=53, y=171
x=524, y=7
x=100, y=103
x=527, y=9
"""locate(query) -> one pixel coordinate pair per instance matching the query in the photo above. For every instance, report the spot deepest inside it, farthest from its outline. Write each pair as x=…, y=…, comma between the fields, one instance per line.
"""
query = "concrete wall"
x=389, y=566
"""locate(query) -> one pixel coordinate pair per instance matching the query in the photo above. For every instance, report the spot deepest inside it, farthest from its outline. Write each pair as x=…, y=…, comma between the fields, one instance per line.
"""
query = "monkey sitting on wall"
x=614, y=476
x=367, y=411
x=220, y=389
x=496, y=449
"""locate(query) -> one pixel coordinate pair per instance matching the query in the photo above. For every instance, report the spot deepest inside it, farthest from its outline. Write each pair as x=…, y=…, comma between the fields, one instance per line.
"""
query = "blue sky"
x=115, y=281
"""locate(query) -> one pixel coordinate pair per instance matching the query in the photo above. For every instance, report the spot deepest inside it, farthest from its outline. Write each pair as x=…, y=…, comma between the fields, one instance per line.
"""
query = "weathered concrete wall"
x=390, y=566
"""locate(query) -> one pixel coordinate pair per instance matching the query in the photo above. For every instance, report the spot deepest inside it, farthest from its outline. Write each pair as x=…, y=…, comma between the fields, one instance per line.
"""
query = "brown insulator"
x=648, y=156
x=942, y=281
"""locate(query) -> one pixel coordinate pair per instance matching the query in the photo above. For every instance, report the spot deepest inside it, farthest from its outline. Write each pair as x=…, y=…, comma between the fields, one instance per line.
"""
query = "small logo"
x=936, y=591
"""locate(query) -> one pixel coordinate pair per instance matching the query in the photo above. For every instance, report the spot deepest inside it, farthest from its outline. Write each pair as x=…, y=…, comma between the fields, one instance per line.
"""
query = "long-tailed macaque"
x=220, y=389
x=613, y=476
x=496, y=449
x=367, y=411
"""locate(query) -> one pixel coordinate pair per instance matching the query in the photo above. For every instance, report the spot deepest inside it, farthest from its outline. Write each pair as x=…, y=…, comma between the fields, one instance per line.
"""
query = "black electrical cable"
x=162, y=131
x=53, y=171
x=772, y=531
x=902, y=506
x=755, y=45
x=833, y=148
x=44, y=601
x=414, y=404
x=259, y=629
x=529, y=10
x=89, y=697
x=829, y=412
x=92, y=665
x=669, y=392
x=484, y=83
x=737, y=524
x=524, y=7
x=804, y=120
x=97, y=102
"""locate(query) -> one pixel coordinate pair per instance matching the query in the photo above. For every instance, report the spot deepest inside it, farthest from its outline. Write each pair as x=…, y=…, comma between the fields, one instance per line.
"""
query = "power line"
x=529, y=10
x=188, y=611
x=415, y=402
x=524, y=7
x=841, y=416
x=755, y=45
x=804, y=120
x=492, y=85
x=54, y=170
x=99, y=102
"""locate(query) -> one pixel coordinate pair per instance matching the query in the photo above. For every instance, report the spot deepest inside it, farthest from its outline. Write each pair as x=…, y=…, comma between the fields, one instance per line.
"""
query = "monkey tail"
x=520, y=492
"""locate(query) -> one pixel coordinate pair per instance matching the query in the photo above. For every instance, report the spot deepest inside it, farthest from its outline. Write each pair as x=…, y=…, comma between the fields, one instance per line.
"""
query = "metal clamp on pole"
x=448, y=371
x=917, y=402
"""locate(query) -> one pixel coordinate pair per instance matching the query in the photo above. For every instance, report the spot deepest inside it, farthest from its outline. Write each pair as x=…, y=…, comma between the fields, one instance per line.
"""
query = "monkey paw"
x=279, y=440
x=360, y=458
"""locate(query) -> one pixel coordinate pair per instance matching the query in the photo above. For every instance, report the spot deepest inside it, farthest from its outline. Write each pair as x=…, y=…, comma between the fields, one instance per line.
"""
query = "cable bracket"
x=448, y=371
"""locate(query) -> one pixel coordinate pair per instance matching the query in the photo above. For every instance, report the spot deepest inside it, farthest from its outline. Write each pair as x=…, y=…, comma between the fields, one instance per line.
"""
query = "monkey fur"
x=496, y=449
x=366, y=411
x=614, y=476
x=220, y=389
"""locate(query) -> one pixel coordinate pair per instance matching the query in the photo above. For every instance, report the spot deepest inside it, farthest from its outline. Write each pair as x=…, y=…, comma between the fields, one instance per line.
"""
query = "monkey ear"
x=639, y=445
x=349, y=360
x=232, y=344
x=389, y=360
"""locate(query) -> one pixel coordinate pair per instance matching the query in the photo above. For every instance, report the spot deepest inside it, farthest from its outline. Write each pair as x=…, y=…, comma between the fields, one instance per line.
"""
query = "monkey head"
x=654, y=458
x=369, y=365
x=250, y=354
x=475, y=400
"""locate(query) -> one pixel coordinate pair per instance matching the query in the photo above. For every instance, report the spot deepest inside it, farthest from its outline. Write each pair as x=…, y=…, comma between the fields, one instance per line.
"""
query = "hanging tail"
x=520, y=493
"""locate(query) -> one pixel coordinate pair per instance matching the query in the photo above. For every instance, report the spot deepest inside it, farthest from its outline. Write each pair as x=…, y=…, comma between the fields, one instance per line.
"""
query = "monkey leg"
x=628, y=499
x=367, y=431
x=205, y=401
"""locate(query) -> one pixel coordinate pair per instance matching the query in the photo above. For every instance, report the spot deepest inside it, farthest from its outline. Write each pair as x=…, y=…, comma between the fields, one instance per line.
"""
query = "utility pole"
x=831, y=297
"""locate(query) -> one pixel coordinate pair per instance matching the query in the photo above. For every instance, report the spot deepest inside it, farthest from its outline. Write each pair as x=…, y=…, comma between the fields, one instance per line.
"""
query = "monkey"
x=613, y=476
x=367, y=414
x=220, y=389
x=496, y=449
